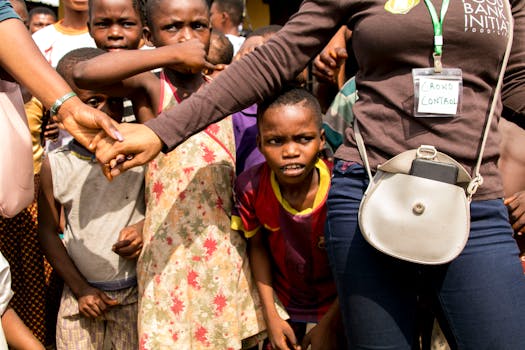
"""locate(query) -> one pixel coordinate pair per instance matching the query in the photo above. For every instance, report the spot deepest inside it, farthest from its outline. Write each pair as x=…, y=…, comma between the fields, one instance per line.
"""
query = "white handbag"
x=414, y=218
x=16, y=158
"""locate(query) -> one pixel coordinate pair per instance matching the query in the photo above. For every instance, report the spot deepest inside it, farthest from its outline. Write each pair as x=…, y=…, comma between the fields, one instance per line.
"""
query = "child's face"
x=115, y=25
x=112, y=106
x=290, y=139
x=178, y=21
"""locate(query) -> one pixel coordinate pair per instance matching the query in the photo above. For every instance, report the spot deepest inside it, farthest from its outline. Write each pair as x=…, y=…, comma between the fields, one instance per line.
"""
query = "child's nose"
x=115, y=31
x=186, y=34
x=290, y=149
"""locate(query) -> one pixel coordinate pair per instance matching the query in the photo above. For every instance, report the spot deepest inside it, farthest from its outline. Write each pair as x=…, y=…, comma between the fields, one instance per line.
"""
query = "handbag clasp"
x=426, y=152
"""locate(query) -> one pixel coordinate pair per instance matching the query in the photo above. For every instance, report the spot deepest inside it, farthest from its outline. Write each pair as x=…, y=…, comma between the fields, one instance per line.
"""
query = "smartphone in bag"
x=433, y=170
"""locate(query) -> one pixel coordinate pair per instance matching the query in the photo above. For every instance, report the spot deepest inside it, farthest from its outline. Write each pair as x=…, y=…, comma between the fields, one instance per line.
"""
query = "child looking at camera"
x=281, y=208
x=193, y=273
x=102, y=235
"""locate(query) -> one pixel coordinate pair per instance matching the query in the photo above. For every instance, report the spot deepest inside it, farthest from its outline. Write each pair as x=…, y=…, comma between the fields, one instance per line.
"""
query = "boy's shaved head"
x=67, y=63
x=293, y=96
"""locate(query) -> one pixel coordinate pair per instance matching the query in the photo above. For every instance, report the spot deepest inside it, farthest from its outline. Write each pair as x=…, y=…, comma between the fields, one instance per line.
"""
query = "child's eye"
x=199, y=25
x=129, y=24
x=274, y=141
x=100, y=24
x=93, y=102
x=174, y=27
x=305, y=139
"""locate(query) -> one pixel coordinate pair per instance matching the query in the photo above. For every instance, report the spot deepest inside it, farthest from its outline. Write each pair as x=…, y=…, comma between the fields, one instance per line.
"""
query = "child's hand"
x=281, y=335
x=191, y=57
x=328, y=63
x=320, y=338
x=516, y=206
x=51, y=131
x=129, y=244
x=93, y=302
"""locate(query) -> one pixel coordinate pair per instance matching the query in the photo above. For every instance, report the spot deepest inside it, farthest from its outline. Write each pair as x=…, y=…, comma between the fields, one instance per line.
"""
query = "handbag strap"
x=477, y=179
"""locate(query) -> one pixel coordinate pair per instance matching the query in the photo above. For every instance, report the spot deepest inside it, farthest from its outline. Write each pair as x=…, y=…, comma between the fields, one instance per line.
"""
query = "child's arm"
x=112, y=67
x=129, y=244
x=17, y=335
x=324, y=336
x=92, y=302
x=279, y=331
x=145, y=105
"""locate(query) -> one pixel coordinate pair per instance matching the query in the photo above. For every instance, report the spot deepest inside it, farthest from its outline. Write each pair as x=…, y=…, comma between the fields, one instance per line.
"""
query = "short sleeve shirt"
x=301, y=275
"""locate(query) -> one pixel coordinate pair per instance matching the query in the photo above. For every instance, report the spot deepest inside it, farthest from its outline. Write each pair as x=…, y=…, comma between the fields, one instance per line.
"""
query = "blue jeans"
x=481, y=293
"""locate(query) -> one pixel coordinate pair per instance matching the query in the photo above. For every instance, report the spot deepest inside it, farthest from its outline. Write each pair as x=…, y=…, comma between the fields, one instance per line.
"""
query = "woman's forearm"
x=21, y=58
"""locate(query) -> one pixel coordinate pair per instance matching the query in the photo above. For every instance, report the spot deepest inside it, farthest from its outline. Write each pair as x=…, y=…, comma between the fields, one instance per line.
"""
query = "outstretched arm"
x=256, y=76
x=23, y=61
x=112, y=67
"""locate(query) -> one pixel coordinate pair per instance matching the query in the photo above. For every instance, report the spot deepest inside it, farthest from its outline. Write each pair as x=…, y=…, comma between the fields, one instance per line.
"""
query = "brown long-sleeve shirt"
x=387, y=46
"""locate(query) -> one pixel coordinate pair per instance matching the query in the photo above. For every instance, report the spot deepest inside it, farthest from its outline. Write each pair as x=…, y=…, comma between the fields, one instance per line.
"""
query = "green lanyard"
x=438, y=31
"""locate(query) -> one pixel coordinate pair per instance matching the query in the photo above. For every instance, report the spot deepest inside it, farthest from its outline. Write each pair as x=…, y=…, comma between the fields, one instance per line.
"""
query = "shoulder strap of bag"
x=477, y=179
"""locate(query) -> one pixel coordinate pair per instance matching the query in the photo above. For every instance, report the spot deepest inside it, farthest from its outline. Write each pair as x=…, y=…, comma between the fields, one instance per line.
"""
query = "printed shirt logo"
x=486, y=16
x=400, y=7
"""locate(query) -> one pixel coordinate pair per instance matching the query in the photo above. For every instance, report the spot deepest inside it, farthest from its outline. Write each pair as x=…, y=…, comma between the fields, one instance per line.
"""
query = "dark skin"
x=92, y=302
x=180, y=32
x=290, y=139
x=512, y=166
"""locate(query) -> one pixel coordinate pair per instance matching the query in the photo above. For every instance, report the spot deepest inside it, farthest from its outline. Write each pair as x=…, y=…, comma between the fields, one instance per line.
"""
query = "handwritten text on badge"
x=438, y=96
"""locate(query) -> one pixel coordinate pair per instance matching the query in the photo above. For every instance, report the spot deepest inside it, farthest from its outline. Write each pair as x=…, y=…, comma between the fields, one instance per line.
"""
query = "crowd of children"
x=218, y=244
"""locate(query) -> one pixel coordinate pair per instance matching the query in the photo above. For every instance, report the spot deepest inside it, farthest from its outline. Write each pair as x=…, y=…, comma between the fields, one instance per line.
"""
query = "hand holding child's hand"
x=129, y=244
x=516, y=206
x=84, y=122
x=282, y=336
x=140, y=143
x=93, y=302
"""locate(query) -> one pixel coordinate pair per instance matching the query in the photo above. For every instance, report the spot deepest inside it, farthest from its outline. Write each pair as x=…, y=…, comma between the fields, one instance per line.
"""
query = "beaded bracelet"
x=56, y=106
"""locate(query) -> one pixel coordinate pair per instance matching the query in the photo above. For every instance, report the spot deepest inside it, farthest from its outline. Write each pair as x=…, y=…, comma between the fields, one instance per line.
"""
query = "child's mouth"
x=292, y=169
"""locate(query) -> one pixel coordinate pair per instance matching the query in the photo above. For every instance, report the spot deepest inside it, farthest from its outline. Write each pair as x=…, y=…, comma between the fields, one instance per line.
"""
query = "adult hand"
x=140, y=145
x=129, y=244
x=93, y=302
x=281, y=334
x=84, y=122
x=516, y=207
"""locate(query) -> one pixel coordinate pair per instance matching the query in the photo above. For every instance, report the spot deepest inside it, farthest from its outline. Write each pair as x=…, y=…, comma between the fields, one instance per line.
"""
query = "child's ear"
x=322, y=136
x=224, y=17
x=146, y=33
x=143, y=38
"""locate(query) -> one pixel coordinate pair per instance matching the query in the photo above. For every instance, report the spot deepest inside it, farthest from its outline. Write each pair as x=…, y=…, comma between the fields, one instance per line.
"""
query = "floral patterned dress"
x=194, y=279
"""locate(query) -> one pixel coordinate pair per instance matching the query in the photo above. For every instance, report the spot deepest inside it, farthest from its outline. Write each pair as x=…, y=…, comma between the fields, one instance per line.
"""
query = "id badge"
x=437, y=94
